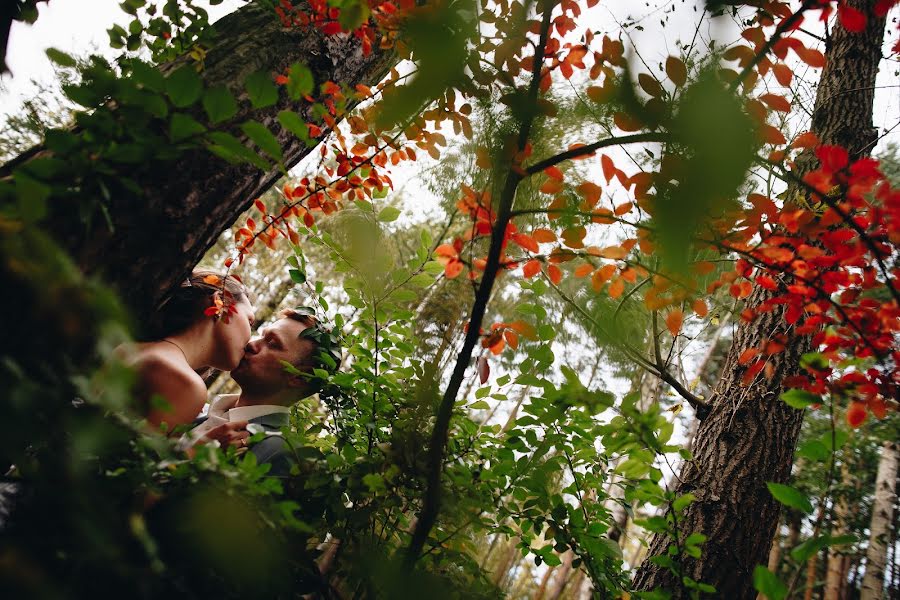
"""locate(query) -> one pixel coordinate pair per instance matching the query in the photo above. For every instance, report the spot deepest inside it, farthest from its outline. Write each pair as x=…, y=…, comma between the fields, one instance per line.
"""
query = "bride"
x=205, y=322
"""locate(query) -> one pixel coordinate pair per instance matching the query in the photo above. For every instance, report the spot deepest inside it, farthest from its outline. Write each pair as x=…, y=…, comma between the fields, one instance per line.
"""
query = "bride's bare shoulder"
x=163, y=374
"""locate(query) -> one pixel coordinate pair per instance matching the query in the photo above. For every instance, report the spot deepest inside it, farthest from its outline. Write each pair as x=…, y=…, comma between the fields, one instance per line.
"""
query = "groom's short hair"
x=308, y=321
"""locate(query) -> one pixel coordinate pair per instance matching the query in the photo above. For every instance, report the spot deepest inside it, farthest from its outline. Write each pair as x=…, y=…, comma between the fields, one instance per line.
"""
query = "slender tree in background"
x=882, y=516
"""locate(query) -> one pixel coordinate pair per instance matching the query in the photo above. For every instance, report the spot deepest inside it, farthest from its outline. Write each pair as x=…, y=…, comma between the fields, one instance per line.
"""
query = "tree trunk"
x=882, y=517
x=748, y=438
x=155, y=240
x=835, y=574
x=562, y=578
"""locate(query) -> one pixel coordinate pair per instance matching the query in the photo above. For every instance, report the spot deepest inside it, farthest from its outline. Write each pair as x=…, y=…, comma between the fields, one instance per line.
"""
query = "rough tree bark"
x=748, y=438
x=157, y=239
x=882, y=516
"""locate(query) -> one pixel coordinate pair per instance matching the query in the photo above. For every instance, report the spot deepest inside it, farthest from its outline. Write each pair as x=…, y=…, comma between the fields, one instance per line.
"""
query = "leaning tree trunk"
x=749, y=435
x=155, y=240
x=835, y=572
x=882, y=517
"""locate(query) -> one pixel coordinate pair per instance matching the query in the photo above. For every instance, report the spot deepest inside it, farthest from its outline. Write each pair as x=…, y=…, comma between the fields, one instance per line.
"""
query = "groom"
x=269, y=387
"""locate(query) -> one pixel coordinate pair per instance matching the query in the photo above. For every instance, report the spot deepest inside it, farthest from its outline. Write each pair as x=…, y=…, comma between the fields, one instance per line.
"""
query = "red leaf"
x=832, y=158
x=856, y=414
x=616, y=288
x=747, y=355
x=752, y=371
x=484, y=369
x=531, y=268
x=555, y=274
x=851, y=19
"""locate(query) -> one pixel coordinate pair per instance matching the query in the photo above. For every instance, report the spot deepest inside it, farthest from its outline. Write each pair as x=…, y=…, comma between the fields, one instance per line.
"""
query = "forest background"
x=565, y=452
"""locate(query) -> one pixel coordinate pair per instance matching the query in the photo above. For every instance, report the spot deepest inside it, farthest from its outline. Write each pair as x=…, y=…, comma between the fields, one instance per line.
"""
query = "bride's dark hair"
x=188, y=302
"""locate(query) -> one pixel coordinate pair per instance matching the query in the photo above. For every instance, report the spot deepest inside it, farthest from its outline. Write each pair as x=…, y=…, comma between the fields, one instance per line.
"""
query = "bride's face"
x=232, y=335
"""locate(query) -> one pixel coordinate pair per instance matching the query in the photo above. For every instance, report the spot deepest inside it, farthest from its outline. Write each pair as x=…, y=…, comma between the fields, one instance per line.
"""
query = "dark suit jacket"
x=273, y=449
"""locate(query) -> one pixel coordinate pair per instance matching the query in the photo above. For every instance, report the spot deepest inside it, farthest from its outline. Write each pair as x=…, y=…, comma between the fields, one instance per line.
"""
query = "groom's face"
x=262, y=368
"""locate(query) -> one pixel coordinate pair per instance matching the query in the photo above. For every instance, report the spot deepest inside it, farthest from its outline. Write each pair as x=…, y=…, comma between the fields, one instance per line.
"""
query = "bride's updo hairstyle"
x=192, y=301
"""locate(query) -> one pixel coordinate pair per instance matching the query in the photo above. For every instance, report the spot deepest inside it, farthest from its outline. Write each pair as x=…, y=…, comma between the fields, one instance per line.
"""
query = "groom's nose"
x=252, y=346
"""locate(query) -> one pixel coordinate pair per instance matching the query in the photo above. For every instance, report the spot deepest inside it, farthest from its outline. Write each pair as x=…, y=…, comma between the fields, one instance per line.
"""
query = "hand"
x=229, y=434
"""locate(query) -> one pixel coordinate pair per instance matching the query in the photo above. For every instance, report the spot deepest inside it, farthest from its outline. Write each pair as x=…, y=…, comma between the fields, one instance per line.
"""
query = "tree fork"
x=749, y=436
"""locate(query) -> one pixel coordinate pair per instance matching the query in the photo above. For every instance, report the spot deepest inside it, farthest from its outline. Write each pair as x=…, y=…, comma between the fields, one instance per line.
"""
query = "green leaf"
x=183, y=126
x=263, y=138
x=388, y=214
x=796, y=398
x=804, y=551
x=230, y=148
x=293, y=123
x=148, y=76
x=814, y=450
x=219, y=104
x=31, y=195
x=480, y=405
x=184, y=87
x=814, y=360
x=767, y=584
x=261, y=89
x=60, y=57
x=682, y=502
x=789, y=496
x=353, y=14
x=297, y=276
x=300, y=81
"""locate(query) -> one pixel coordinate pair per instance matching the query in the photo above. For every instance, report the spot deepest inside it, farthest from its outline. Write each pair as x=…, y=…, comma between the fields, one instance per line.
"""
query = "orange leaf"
x=445, y=250
x=609, y=169
x=676, y=71
x=453, y=269
x=590, y=192
x=523, y=328
x=616, y=288
x=771, y=135
x=584, y=270
x=551, y=186
x=623, y=209
x=626, y=122
x=531, y=268
x=805, y=140
x=526, y=242
x=650, y=85
x=613, y=252
x=554, y=173
x=512, y=338
x=776, y=102
x=810, y=56
x=747, y=355
x=699, y=307
x=783, y=74
x=674, y=320
x=555, y=274
x=543, y=236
